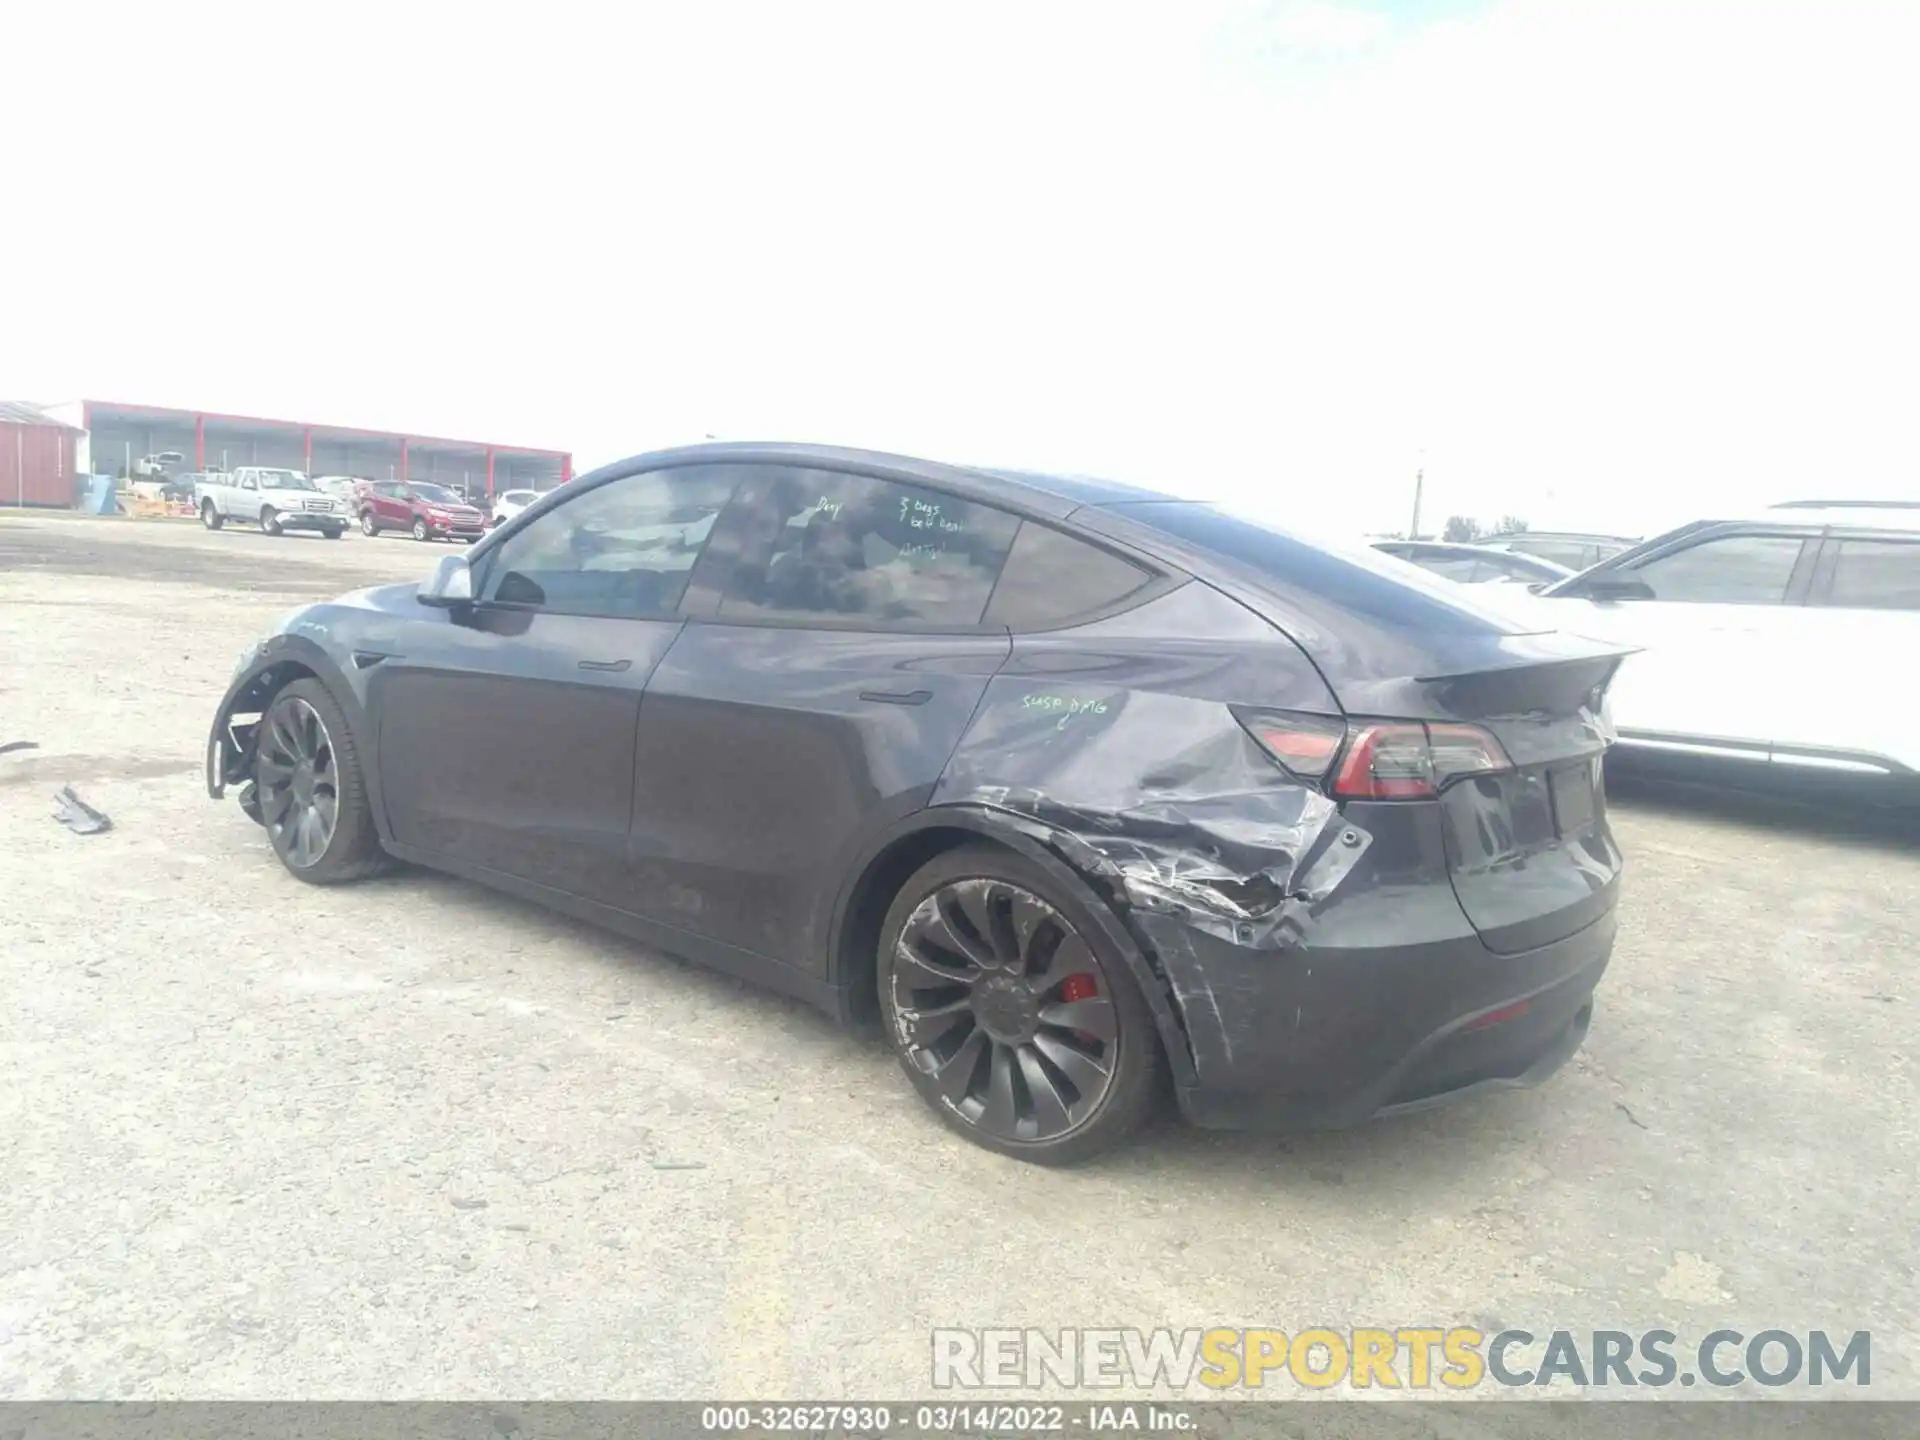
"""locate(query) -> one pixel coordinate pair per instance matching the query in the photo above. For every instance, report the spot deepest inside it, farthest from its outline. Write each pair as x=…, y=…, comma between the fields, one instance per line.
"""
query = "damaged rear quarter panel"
x=1114, y=742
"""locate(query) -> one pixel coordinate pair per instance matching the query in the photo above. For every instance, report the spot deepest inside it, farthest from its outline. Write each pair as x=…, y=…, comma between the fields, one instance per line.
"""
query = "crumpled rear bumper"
x=1323, y=1038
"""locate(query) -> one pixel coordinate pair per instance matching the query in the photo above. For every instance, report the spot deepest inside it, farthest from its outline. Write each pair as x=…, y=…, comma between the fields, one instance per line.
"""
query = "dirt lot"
x=412, y=1139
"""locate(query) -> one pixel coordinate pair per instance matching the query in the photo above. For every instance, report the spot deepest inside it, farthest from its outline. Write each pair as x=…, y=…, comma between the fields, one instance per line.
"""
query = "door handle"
x=897, y=697
x=612, y=666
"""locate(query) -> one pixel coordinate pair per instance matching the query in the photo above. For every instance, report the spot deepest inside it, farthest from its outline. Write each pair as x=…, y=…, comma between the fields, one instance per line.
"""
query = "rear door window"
x=1051, y=578
x=1725, y=570
x=1876, y=574
x=623, y=549
x=828, y=547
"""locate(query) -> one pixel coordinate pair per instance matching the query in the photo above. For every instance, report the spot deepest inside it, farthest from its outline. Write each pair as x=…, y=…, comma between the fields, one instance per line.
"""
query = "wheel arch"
x=280, y=661
x=891, y=860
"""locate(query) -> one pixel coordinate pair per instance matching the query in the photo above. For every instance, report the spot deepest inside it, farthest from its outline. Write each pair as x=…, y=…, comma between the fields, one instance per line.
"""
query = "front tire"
x=311, y=790
x=210, y=515
x=1012, y=1015
x=420, y=530
x=368, y=525
x=269, y=522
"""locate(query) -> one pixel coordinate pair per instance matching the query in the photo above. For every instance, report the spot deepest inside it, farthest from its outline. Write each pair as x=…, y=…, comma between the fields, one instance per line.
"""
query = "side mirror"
x=1613, y=585
x=450, y=586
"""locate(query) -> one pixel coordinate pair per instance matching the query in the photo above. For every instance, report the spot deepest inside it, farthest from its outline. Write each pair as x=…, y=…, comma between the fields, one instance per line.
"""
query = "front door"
x=1710, y=663
x=840, y=661
x=507, y=730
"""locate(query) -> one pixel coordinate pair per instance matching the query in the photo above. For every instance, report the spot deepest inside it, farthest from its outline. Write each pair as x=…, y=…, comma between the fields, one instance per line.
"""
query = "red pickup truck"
x=427, y=511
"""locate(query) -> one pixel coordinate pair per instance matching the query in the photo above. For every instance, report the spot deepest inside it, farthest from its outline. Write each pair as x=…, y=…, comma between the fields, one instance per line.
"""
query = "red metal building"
x=36, y=457
x=119, y=435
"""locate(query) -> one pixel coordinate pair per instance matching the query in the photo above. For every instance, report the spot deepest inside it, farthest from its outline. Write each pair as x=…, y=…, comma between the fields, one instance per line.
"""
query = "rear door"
x=507, y=731
x=835, y=651
x=1861, y=629
x=1715, y=639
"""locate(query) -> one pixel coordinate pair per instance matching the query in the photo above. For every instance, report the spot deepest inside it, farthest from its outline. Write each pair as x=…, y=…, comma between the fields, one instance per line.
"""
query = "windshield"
x=437, y=495
x=284, y=480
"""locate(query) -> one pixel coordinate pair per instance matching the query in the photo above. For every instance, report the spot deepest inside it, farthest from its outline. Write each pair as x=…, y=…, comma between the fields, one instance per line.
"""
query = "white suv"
x=1784, y=638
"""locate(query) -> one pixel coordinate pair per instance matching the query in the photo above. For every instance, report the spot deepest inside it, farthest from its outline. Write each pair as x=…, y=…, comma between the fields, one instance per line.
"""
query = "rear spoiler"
x=1555, y=686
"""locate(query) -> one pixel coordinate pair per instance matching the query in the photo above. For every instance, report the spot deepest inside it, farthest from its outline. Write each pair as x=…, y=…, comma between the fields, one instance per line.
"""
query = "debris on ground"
x=19, y=745
x=77, y=815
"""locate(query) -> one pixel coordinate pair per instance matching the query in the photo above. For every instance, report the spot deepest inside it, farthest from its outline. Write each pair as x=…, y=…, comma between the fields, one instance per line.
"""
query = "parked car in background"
x=1573, y=549
x=186, y=485
x=1475, y=564
x=151, y=467
x=511, y=503
x=276, y=500
x=1778, y=639
x=424, y=510
x=1070, y=786
x=344, y=488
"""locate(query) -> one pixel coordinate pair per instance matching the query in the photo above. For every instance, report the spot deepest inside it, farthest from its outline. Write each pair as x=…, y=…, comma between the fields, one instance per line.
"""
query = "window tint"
x=1876, y=575
x=1732, y=570
x=1360, y=582
x=1570, y=553
x=621, y=549
x=1051, y=577
x=819, y=544
x=1454, y=567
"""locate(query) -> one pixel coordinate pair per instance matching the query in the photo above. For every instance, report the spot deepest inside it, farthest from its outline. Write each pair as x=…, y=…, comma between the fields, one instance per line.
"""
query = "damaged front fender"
x=259, y=676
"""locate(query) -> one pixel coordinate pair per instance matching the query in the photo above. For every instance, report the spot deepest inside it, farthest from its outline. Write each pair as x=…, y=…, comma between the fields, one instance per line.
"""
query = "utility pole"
x=1419, y=483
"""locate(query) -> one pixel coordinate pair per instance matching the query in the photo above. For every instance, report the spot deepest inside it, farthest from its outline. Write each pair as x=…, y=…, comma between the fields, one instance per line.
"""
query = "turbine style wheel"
x=1005, y=1012
x=309, y=790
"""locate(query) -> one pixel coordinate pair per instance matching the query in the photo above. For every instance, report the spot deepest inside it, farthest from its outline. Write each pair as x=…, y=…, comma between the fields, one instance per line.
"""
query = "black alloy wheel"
x=308, y=789
x=299, y=791
x=1018, y=1031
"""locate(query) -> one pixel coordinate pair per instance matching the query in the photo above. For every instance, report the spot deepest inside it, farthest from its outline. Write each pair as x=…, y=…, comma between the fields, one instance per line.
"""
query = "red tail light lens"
x=1406, y=761
x=1304, y=744
x=1384, y=760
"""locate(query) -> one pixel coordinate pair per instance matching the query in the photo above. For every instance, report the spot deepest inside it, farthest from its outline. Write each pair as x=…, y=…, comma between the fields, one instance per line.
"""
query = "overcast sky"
x=1608, y=264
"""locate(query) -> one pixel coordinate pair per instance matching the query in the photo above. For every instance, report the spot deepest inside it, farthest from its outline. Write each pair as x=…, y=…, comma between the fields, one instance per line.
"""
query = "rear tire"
x=269, y=522
x=210, y=515
x=304, y=717
x=1019, y=1024
x=368, y=525
x=420, y=530
x=335, y=534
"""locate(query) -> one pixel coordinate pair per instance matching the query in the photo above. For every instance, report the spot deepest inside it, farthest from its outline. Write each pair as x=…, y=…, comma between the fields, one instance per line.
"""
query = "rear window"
x=1361, y=582
x=1573, y=554
x=1876, y=575
x=1050, y=577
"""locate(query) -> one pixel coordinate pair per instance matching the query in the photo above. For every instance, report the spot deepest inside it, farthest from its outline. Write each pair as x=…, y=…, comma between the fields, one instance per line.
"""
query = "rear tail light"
x=1387, y=760
x=1303, y=744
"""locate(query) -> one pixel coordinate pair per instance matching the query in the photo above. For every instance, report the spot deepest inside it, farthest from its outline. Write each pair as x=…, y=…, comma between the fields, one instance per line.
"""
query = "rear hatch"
x=1529, y=850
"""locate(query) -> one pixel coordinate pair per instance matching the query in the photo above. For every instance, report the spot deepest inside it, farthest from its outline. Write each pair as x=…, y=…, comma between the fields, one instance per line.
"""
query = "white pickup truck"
x=275, y=500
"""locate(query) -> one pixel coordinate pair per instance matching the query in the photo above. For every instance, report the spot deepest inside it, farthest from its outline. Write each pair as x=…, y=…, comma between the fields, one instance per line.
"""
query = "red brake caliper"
x=1080, y=987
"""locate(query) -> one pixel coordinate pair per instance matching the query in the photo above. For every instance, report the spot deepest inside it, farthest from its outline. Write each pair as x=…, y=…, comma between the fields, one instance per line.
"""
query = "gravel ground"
x=414, y=1139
